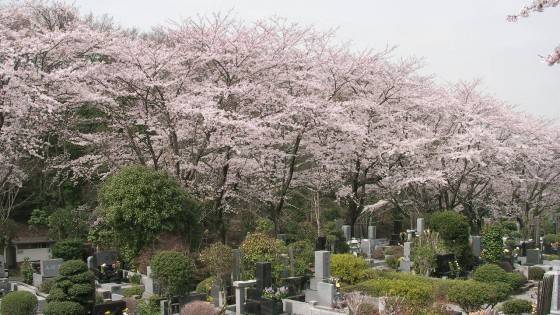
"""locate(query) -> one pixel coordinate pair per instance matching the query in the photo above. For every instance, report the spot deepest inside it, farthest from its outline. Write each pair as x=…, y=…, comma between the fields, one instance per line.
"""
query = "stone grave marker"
x=90, y=263
x=406, y=264
x=420, y=226
x=322, y=264
x=2, y=272
x=346, y=230
x=534, y=257
x=263, y=275
x=50, y=267
x=105, y=257
x=320, y=243
x=325, y=294
x=372, y=232
x=367, y=247
x=555, y=302
x=476, y=244
x=237, y=264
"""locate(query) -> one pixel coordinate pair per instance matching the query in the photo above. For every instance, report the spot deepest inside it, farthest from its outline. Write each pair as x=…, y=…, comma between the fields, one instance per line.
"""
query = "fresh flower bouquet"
x=277, y=294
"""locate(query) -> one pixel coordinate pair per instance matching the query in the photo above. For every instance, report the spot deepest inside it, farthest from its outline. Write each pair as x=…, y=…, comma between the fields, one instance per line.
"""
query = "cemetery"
x=216, y=166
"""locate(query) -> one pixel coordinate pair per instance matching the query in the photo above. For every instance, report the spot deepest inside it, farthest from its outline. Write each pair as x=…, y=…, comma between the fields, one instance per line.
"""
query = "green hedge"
x=19, y=303
x=517, y=307
x=72, y=267
x=347, y=267
x=474, y=295
x=536, y=273
x=63, y=308
x=68, y=249
x=134, y=290
x=414, y=292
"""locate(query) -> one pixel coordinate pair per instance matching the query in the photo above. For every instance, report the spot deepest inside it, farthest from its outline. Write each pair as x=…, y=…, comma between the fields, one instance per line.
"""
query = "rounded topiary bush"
x=19, y=303
x=415, y=293
x=63, y=308
x=134, y=290
x=490, y=273
x=68, y=249
x=204, y=285
x=516, y=280
x=453, y=228
x=536, y=273
x=72, y=267
x=474, y=295
x=199, y=308
x=517, y=307
x=347, y=267
x=173, y=270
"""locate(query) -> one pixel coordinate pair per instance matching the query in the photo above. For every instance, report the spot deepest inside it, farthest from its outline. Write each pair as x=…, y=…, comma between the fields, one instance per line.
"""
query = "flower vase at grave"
x=271, y=306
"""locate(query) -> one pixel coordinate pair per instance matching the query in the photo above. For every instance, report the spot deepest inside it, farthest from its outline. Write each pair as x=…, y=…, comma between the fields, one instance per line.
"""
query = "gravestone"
x=346, y=230
x=406, y=264
x=372, y=232
x=534, y=257
x=476, y=244
x=555, y=302
x=325, y=294
x=321, y=243
x=443, y=263
x=91, y=263
x=50, y=267
x=2, y=272
x=263, y=275
x=420, y=225
x=105, y=257
x=537, y=233
x=367, y=247
x=396, y=236
x=150, y=286
x=338, y=223
x=322, y=264
x=237, y=264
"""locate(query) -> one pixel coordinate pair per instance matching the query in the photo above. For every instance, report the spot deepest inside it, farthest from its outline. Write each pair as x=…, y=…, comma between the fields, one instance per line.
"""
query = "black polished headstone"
x=105, y=257
x=264, y=275
x=321, y=243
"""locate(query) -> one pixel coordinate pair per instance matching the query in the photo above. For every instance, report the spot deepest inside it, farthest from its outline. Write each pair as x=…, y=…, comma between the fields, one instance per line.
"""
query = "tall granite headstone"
x=264, y=275
x=372, y=232
x=420, y=226
x=346, y=230
x=476, y=244
x=2, y=272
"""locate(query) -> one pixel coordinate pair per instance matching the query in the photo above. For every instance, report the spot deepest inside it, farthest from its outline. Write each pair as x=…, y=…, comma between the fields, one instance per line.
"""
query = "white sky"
x=459, y=40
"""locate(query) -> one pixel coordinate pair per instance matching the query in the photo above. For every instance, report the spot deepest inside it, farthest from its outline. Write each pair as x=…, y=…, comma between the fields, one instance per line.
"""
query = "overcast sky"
x=459, y=40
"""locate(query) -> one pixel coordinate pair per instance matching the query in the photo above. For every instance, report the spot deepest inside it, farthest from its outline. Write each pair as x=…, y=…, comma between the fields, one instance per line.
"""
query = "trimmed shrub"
x=417, y=293
x=72, y=267
x=347, y=267
x=516, y=280
x=204, y=285
x=453, y=228
x=550, y=238
x=199, y=308
x=378, y=253
x=46, y=286
x=509, y=226
x=536, y=273
x=173, y=271
x=63, y=308
x=216, y=263
x=553, y=257
x=490, y=273
x=517, y=307
x=304, y=253
x=392, y=262
x=135, y=278
x=68, y=249
x=492, y=243
x=19, y=303
x=262, y=247
x=27, y=271
x=474, y=295
x=134, y=290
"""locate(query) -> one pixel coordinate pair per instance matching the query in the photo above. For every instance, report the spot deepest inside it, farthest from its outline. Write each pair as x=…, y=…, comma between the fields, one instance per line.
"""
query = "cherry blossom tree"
x=539, y=6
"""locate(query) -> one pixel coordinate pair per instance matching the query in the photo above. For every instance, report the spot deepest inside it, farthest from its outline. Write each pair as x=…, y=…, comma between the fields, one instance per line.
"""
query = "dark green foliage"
x=304, y=254
x=134, y=290
x=135, y=278
x=490, y=273
x=204, y=285
x=265, y=226
x=536, y=273
x=173, y=271
x=72, y=267
x=550, y=238
x=46, y=286
x=347, y=267
x=68, y=249
x=553, y=257
x=509, y=226
x=63, y=308
x=517, y=307
x=392, y=262
x=27, y=271
x=39, y=219
x=492, y=243
x=217, y=259
x=73, y=284
x=69, y=223
x=335, y=237
x=473, y=295
x=417, y=293
x=259, y=247
x=453, y=228
x=139, y=203
x=516, y=280
x=19, y=303
x=9, y=230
